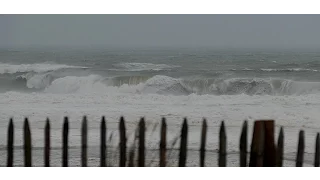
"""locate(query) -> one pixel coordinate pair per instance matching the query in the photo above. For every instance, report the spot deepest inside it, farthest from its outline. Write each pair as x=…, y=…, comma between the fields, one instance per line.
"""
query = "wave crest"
x=37, y=68
x=77, y=82
x=142, y=67
x=165, y=85
x=278, y=70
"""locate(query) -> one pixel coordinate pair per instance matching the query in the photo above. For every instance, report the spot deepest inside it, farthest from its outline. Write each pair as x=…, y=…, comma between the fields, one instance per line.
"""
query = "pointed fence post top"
x=245, y=124
x=47, y=121
x=204, y=122
x=11, y=121
x=10, y=124
x=142, y=121
x=163, y=121
x=185, y=122
x=65, y=119
x=281, y=131
x=66, y=123
x=84, y=119
x=26, y=122
x=121, y=123
x=222, y=128
x=301, y=134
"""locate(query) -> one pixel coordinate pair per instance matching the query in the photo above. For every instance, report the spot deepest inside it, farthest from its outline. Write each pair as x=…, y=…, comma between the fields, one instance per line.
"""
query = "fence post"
x=10, y=144
x=243, y=144
x=27, y=144
x=269, y=144
x=65, y=142
x=257, y=145
x=163, y=143
x=222, y=146
x=279, y=160
x=141, y=142
x=103, y=142
x=203, y=142
x=84, y=138
x=47, y=143
x=123, y=141
x=317, y=154
x=183, y=144
x=300, y=153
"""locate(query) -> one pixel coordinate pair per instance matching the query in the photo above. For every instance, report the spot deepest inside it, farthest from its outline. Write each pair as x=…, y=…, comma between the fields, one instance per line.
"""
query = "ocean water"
x=229, y=85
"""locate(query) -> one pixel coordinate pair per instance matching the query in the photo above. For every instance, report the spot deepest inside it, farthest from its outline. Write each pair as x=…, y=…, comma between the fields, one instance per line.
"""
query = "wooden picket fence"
x=264, y=152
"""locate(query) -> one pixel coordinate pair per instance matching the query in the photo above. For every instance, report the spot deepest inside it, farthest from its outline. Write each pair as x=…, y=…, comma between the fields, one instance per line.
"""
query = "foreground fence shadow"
x=264, y=152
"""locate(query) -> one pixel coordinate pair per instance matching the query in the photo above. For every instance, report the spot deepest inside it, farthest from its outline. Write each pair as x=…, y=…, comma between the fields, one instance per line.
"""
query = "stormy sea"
x=219, y=85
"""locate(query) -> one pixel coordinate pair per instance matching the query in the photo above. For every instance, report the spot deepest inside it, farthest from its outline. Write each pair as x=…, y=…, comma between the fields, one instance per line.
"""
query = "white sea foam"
x=290, y=69
x=278, y=70
x=38, y=67
x=247, y=69
x=143, y=67
x=38, y=81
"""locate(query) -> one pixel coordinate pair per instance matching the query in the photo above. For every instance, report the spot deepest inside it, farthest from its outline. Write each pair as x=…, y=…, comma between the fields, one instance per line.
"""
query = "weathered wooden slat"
x=27, y=144
x=10, y=144
x=300, y=153
x=47, y=143
x=103, y=147
x=317, y=153
x=84, y=141
x=260, y=149
x=269, y=159
x=163, y=143
x=243, y=144
x=257, y=145
x=142, y=128
x=203, y=143
x=123, y=142
x=279, y=157
x=222, y=146
x=183, y=144
x=65, y=135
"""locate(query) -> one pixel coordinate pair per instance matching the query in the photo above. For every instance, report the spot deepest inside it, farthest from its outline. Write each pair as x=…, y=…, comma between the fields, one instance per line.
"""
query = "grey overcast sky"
x=236, y=31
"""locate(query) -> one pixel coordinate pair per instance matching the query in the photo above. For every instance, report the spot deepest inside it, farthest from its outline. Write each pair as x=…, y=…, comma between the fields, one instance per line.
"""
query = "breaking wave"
x=33, y=76
x=171, y=86
x=176, y=86
x=57, y=78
